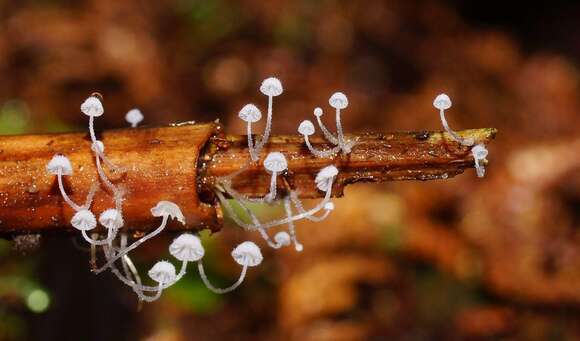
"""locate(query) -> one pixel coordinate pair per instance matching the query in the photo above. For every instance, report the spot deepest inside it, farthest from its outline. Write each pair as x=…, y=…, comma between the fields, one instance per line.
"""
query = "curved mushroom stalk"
x=327, y=134
x=443, y=102
x=306, y=129
x=291, y=229
x=164, y=209
x=246, y=254
x=60, y=166
x=111, y=235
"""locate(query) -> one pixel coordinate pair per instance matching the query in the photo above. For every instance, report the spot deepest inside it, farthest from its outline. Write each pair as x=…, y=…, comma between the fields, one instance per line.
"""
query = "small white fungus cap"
x=479, y=152
x=338, y=100
x=187, y=247
x=247, y=254
x=329, y=206
x=162, y=272
x=167, y=208
x=134, y=117
x=282, y=238
x=59, y=162
x=98, y=146
x=250, y=113
x=442, y=102
x=84, y=220
x=271, y=86
x=324, y=176
x=275, y=162
x=92, y=106
x=306, y=128
x=111, y=219
x=318, y=112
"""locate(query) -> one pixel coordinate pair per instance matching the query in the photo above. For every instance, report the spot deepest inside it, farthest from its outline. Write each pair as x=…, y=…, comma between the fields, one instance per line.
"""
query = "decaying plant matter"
x=137, y=177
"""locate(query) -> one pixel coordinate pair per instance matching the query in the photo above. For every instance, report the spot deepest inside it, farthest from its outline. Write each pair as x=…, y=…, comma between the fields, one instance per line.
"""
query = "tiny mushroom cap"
x=111, y=219
x=162, y=272
x=271, y=86
x=338, y=100
x=479, y=152
x=442, y=102
x=84, y=220
x=187, y=248
x=282, y=238
x=275, y=162
x=98, y=146
x=167, y=208
x=250, y=113
x=306, y=128
x=134, y=116
x=323, y=177
x=329, y=206
x=59, y=162
x=318, y=112
x=92, y=106
x=247, y=254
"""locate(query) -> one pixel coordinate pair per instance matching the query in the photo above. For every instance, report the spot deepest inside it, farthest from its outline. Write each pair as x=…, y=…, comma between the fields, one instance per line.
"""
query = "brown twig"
x=181, y=163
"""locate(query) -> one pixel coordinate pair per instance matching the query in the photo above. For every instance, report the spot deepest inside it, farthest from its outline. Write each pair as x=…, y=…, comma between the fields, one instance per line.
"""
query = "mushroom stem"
x=320, y=153
x=65, y=196
x=107, y=241
x=456, y=137
x=272, y=195
x=300, y=207
x=220, y=290
x=131, y=247
x=253, y=153
x=339, y=132
x=291, y=229
x=327, y=134
x=266, y=136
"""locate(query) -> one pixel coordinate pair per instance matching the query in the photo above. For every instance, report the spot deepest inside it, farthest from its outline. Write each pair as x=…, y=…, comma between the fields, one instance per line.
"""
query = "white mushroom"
x=59, y=164
x=111, y=219
x=163, y=209
x=270, y=87
x=275, y=163
x=339, y=101
x=306, y=128
x=251, y=114
x=134, y=117
x=168, y=209
x=84, y=220
x=92, y=107
x=187, y=248
x=327, y=134
x=325, y=177
x=162, y=272
x=479, y=154
x=443, y=102
x=282, y=238
x=247, y=254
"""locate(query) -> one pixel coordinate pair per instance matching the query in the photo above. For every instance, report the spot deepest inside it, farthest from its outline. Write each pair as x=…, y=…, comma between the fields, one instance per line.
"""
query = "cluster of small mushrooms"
x=187, y=247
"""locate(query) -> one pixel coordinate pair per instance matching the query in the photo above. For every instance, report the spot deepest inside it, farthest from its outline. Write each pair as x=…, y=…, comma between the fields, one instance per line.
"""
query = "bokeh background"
x=465, y=258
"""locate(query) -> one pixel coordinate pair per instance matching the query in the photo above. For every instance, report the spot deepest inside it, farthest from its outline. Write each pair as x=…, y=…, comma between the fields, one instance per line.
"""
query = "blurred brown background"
x=466, y=258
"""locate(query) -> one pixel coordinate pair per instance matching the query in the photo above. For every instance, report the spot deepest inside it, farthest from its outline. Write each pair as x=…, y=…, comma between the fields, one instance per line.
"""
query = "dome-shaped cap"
x=187, y=247
x=271, y=86
x=282, y=238
x=92, y=106
x=275, y=162
x=134, y=116
x=84, y=220
x=247, y=254
x=250, y=113
x=338, y=100
x=111, y=219
x=318, y=112
x=324, y=176
x=59, y=162
x=167, y=208
x=306, y=128
x=162, y=272
x=442, y=102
